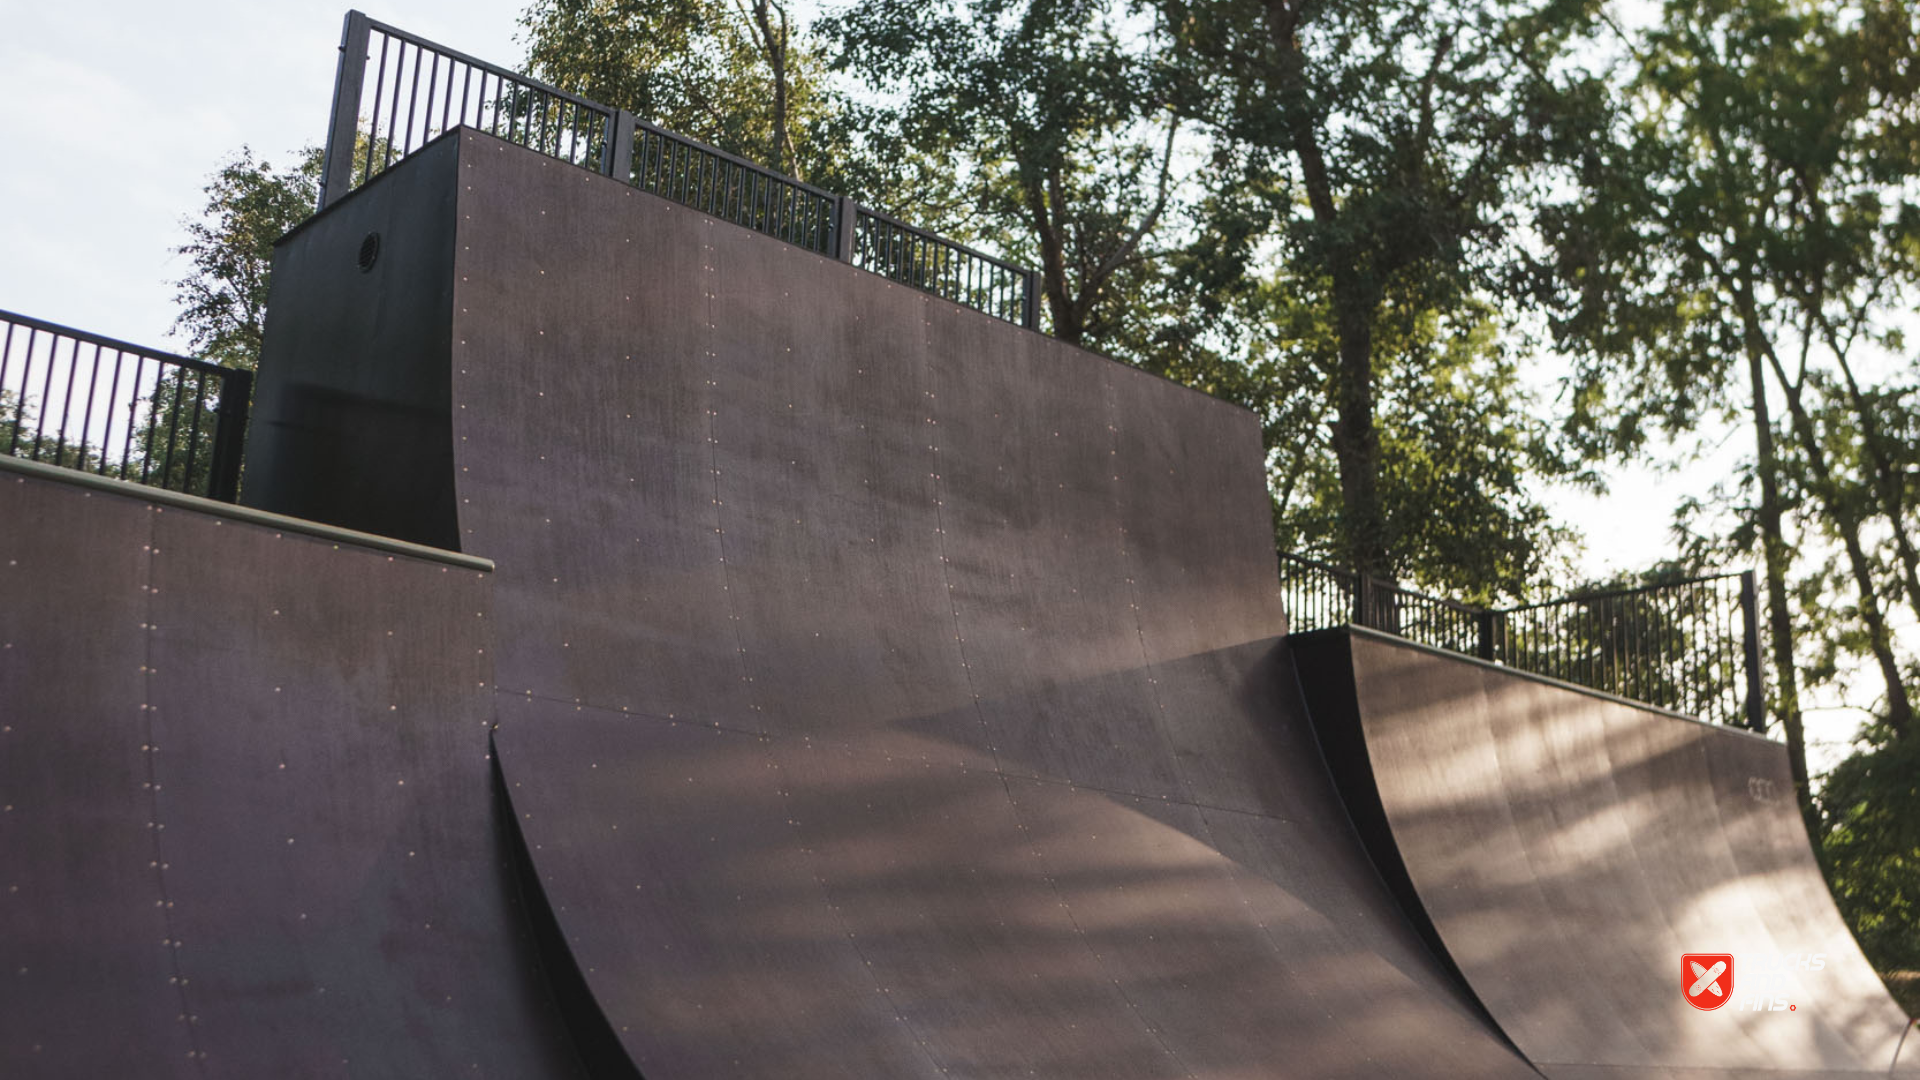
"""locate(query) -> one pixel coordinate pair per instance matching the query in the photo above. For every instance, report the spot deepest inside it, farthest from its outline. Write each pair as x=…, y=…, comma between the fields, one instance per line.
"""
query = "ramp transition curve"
x=1565, y=848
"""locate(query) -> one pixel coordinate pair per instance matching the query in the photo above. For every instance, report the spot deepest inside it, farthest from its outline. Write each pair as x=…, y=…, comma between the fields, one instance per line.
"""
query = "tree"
x=1053, y=119
x=730, y=73
x=1870, y=848
x=1385, y=151
x=250, y=205
x=1740, y=229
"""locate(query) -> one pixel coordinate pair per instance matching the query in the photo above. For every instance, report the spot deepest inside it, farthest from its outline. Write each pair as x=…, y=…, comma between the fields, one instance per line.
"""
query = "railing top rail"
x=878, y=215
x=674, y=136
x=1616, y=594
x=92, y=338
x=1452, y=605
x=506, y=73
x=1314, y=564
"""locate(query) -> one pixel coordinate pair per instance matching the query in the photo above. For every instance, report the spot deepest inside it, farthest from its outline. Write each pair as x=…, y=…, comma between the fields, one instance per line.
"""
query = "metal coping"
x=1395, y=639
x=41, y=471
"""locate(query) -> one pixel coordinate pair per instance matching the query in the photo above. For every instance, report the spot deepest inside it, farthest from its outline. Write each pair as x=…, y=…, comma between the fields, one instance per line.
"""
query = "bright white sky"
x=114, y=113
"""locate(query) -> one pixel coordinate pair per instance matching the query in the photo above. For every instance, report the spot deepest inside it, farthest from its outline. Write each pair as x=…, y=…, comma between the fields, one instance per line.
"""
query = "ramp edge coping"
x=1394, y=639
x=128, y=489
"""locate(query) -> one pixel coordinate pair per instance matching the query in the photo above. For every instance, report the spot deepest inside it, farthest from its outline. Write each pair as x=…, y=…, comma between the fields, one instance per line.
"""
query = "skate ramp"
x=885, y=690
x=1565, y=848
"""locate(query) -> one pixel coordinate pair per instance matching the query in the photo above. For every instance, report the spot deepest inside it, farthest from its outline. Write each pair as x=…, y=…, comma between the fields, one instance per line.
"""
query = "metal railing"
x=898, y=251
x=394, y=92
x=107, y=407
x=382, y=112
x=1691, y=646
x=733, y=189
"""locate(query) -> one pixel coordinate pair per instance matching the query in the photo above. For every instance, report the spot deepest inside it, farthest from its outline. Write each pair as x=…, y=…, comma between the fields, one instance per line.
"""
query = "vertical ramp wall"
x=1568, y=847
x=887, y=691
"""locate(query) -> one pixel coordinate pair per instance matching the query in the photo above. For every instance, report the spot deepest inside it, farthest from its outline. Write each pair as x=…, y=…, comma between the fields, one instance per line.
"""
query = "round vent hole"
x=369, y=251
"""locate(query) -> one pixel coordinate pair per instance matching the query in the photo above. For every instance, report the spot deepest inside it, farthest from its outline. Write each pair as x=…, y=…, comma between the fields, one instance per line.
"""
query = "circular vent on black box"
x=369, y=251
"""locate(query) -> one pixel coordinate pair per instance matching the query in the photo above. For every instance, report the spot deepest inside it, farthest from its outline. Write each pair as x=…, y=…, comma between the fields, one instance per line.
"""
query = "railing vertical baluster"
x=448, y=118
x=66, y=402
x=133, y=405
x=106, y=437
x=193, y=433
x=466, y=91
x=413, y=101
x=843, y=228
x=618, y=161
x=46, y=393
x=336, y=171
x=173, y=420
x=433, y=83
x=86, y=418
x=153, y=423
x=229, y=436
x=393, y=106
x=1750, y=652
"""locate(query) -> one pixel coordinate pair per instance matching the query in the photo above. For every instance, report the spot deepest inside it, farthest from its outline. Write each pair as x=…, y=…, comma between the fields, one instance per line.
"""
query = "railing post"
x=229, y=435
x=1030, y=303
x=1363, y=599
x=343, y=129
x=1484, y=624
x=616, y=158
x=845, y=210
x=1756, y=686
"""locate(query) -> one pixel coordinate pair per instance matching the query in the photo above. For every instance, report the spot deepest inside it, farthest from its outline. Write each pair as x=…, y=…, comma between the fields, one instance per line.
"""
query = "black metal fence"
x=896, y=250
x=88, y=402
x=733, y=189
x=395, y=92
x=1691, y=646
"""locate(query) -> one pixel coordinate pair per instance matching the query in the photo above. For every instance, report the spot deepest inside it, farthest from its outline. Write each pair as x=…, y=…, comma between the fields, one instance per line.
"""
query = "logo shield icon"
x=1706, y=979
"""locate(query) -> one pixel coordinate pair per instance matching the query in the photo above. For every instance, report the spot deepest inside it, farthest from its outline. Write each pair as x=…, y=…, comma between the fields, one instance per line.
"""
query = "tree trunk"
x=1886, y=484
x=1355, y=439
x=1043, y=203
x=774, y=43
x=1773, y=546
x=1879, y=640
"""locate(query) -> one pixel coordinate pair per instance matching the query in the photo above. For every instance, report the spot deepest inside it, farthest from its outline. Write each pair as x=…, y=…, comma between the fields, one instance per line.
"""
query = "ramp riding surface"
x=1568, y=848
x=886, y=690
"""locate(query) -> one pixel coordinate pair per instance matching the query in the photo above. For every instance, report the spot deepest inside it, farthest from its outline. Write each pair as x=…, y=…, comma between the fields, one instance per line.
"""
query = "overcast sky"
x=113, y=114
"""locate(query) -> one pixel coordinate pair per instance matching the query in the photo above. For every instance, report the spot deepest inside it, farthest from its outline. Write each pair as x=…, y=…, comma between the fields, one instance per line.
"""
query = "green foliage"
x=1870, y=848
x=1050, y=119
x=1387, y=156
x=223, y=299
x=736, y=75
x=1463, y=448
